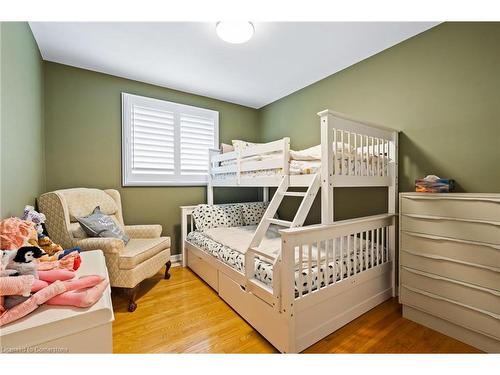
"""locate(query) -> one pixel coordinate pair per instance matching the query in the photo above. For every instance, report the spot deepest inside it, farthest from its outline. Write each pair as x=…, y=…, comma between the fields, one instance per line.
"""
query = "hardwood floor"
x=184, y=315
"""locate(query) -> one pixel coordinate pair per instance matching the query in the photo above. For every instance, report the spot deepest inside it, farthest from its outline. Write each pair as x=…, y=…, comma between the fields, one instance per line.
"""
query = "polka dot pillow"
x=208, y=216
x=253, y=212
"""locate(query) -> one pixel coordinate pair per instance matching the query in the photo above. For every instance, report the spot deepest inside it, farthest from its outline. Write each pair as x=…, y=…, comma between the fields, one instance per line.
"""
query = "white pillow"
x=226, y=148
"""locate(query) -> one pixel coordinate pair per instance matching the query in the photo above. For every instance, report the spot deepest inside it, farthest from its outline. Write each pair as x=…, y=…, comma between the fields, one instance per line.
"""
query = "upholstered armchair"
x=128, y=265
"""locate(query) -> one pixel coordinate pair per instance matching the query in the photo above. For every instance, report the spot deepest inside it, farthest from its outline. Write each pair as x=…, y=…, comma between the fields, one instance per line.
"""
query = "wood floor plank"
x=185, y=315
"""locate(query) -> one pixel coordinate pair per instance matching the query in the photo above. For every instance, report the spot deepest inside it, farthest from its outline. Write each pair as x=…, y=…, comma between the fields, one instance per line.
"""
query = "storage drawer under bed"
x=454, y=228
x=206, y=271
x=487, y=324
x=478, y=208
x=255, y=311
x=467, y=294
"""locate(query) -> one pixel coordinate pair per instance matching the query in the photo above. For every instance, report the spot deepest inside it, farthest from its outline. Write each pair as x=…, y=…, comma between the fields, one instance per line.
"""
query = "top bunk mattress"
x=308, y=161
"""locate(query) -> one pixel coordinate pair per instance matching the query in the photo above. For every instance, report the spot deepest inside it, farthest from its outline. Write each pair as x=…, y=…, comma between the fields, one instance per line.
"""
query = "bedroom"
x=204, y=156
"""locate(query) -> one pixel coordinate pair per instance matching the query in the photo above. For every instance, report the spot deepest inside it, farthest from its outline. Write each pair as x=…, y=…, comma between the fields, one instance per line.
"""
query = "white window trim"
x=176, y=180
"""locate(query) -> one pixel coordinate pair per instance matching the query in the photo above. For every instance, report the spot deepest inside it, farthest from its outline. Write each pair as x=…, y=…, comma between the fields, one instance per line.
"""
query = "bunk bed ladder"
x=301, y=214
x=268, y=219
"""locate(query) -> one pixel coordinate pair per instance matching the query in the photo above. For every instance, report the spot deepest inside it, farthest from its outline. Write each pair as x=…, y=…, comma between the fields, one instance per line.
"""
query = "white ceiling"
x=281, y=57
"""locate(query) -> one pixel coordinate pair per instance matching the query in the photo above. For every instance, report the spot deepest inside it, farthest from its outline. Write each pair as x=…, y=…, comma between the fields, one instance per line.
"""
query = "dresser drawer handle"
x=438, y=238
x=441, y=218
x=435, y=296
x=437, y=277
x=473, y=199
x=437, y=257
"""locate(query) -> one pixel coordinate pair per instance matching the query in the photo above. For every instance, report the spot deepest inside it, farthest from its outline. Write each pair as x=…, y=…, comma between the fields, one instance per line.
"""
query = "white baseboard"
x=176, y=260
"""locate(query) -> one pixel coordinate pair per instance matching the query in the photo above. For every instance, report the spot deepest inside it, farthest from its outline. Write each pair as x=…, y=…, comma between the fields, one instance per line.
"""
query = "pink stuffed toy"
x=81, y=292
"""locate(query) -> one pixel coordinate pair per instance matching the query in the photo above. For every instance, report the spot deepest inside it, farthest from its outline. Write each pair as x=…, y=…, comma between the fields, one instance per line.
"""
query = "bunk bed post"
x=327, y=160
x=286, y=156
x=287, y=289
x=210, y=189
x=265, y=194
x=393, y=207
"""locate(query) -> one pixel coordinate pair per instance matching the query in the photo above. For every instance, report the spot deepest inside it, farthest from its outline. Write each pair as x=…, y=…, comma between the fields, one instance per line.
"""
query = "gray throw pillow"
x=98, y=224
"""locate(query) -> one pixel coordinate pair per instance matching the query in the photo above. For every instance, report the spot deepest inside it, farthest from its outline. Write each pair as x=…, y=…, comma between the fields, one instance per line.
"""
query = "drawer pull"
x=438, y=238
x=437, y=257
x=437, y=277
x=440, y=218
x=435, y=296
x=474, y=199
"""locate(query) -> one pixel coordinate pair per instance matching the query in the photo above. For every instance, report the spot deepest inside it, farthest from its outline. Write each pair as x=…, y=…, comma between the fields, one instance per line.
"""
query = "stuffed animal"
x=35, y=217
x=69, y=262
x=51, y=248
x=24, y=260
x=4, y=261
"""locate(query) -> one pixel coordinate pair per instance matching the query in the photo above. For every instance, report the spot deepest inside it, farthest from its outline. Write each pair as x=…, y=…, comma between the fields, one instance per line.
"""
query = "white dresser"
x=449, y=265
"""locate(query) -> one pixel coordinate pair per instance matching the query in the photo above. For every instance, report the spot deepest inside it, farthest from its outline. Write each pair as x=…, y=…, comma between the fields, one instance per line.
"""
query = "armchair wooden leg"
x=132, y=294
x=167, y=269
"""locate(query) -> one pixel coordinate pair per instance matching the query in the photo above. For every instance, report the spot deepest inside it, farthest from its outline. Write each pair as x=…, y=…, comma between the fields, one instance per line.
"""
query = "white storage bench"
x=61, y=329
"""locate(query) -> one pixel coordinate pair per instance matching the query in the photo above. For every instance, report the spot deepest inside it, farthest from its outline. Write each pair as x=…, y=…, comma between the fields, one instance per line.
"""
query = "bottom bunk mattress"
x=229, y=246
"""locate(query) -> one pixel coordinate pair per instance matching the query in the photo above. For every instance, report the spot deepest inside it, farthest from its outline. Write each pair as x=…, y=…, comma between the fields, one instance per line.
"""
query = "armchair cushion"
x=81, y=202
x=143, y=231
x=139, y=250
x=107, y=245
x=75, y=229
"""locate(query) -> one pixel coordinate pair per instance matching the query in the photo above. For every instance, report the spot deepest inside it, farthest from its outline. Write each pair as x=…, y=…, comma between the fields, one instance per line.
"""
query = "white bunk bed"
x=325, y=275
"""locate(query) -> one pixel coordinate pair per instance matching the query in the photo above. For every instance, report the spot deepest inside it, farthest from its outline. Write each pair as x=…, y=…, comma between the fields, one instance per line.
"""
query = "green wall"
x=83, y=142
x=440, y=88
x=22, y=145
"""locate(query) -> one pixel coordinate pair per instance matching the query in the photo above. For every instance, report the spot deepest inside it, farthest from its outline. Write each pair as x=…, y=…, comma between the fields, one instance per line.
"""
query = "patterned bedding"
x=309, y=161
x=358, y=260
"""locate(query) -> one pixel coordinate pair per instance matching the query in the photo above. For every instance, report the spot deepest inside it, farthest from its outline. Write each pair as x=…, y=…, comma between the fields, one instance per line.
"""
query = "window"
x=166, y=143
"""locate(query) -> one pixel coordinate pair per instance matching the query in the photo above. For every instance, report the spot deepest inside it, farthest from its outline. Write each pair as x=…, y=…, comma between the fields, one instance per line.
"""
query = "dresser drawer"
x=465, y=229
x=463, y=293
x=476, y=253
x=473, y=319
x=478, y=208
x=483, y=277
x=203, y=269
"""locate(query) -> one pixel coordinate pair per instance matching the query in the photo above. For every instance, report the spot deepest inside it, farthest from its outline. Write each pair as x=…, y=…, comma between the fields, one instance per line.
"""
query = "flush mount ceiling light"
x=234, y=32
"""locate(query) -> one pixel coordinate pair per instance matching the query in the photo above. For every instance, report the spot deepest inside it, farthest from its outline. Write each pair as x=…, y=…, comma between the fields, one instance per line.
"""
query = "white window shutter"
x=197, y=136
x=152, y=141
x=166, y=143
